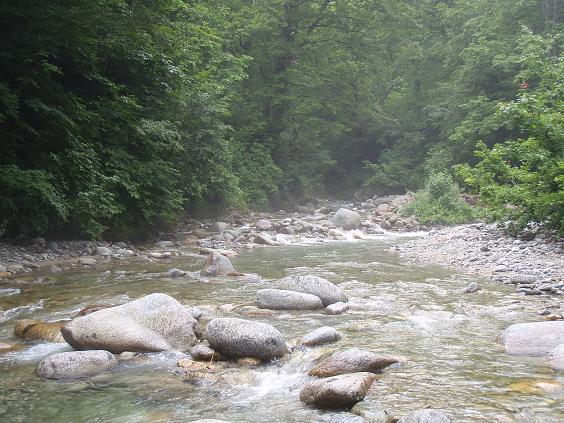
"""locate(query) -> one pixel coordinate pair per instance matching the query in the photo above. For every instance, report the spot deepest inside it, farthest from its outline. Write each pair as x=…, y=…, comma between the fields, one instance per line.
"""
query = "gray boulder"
x=263, y=225
x=156, y=322
x=76, y=364
x=278, y=299
x=337, y=392
x=337, y=308
x=426, y=416
x=219, y=227
x=320, y=336
x=103, y=251
x=346, y=219
x=536, y=338
x=322, y=288
x=352, y=361
x=556, y=358
x=217, y=265
x=238, y=338
x=201, y=352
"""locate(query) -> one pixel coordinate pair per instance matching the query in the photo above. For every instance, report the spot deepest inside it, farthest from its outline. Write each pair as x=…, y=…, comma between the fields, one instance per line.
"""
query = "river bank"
x=535, y=265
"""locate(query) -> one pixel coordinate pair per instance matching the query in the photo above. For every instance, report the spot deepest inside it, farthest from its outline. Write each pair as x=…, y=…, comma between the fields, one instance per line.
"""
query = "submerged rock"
x=372, y=416
x=320, y=336
x=322, y=288
x=156, y=322
x=352, y=361
x=536, y=338
x=337, y=308
x=217, y=265
x=337, y=392
x=426, y=416
x=76, y=364
x=6, y=348
x=37, y=330
x=556, y=358
x=238, y=338
x=278, y=299
x=346, y=219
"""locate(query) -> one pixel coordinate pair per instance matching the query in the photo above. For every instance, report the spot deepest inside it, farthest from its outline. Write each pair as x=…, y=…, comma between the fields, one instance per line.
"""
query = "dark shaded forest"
x=119, y=117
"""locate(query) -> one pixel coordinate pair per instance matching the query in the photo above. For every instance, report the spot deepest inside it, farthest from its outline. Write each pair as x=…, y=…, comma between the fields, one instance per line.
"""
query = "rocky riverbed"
x=534, y=264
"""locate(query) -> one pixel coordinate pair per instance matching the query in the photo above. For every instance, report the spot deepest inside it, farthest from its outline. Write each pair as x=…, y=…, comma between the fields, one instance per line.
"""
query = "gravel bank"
x=535, y=266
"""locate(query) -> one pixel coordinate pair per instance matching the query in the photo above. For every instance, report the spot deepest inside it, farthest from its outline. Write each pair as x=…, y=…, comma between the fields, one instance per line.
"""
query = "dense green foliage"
x=118, y=116
x=440, y=202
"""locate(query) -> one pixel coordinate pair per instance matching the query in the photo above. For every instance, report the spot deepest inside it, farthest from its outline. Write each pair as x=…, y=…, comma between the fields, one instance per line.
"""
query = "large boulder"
x=278, y=299
x=217, y=264
x=322, y=288
x=337, y=392
x=556, y=358
x=319, y=336
x=352, y=361
x=426, y=416
x=536, y=338
x=156, y=322
x=238, y=338
x=40, y=331
x=346, y=219
x=76, y=364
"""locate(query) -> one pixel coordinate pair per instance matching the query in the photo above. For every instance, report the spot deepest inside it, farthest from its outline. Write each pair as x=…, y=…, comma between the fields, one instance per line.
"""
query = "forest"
x=119, y=117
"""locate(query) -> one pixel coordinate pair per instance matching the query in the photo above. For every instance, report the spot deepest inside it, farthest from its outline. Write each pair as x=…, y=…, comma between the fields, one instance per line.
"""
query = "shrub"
x=440, y=202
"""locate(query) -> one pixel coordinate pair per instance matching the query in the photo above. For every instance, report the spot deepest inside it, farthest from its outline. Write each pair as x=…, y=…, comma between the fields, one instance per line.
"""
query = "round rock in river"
x=426, y=416
x=314, y=285
x=279, y=299
x=238, y=338
x=217, y=264
x=76, y=364
x=346, y=219
x=352, y=361
x=156, y=322
x=337, y=392
x=536, y=338
x=319, y=336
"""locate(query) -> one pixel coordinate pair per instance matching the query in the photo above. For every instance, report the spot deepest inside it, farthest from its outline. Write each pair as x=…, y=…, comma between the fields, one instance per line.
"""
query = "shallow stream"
x=420, y=312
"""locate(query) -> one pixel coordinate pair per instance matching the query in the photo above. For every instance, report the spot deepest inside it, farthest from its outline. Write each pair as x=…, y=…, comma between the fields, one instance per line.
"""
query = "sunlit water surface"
x=416, y=311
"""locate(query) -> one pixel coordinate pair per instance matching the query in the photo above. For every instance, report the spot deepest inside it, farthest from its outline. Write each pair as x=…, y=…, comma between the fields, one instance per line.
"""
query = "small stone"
x=103, y=251
x=337, y=308
x=175, y=273
x=320, y=336
x=473, y=287
x=338, y=392
x=201, y=352
x=85, y=261
x=76, y=364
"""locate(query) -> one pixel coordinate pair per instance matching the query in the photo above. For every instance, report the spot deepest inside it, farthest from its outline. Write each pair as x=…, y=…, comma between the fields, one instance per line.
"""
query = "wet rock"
x=338, y=392
x=337, y=308
x=86, y=261
x=278, y=299
x=536, y=338
x=346, y=219
x=6, y=348
x=426, y=416
x=37, y=330
x=219, y=227
x=103, y=251
x=76, y=364
x=198, y=366
x=217, y=265
x=264, y=240
x=175, y=273
x=201, y=352
x=156, y=322
x=372, y=416
x=518, y=279
x=263, y=225
x=556, y=358
x=238, y=338
x=320, y=336
x=352, y=361
x=322, y=288
x=249, y=362
x=473, y=287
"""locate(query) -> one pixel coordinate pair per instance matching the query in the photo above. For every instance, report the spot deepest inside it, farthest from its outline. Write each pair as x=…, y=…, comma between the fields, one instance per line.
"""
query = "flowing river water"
x=416, y=311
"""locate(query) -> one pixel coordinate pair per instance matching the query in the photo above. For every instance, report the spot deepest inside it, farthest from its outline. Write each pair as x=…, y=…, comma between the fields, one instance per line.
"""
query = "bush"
x=440, y=202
